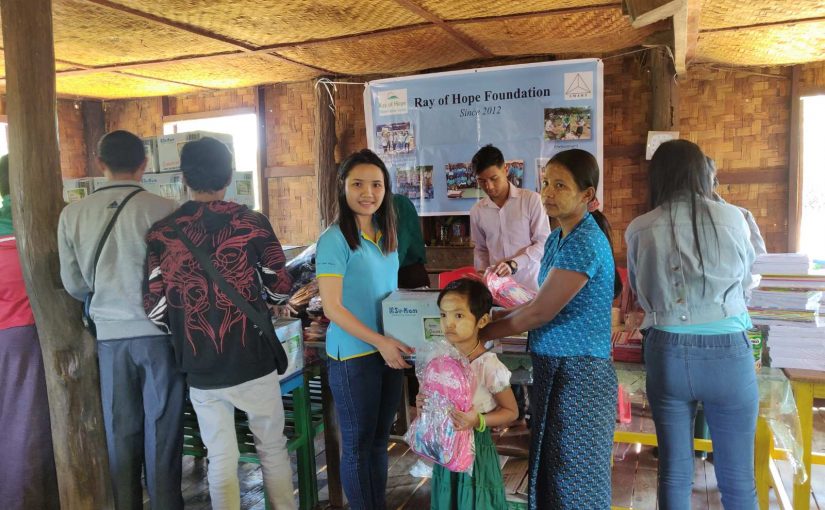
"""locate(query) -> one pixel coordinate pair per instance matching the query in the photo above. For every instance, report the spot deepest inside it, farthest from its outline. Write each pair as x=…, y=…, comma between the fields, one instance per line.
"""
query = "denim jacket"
x=664, y=271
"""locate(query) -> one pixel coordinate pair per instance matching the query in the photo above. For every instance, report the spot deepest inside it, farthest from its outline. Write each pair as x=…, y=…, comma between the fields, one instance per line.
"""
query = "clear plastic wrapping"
x=446, y=383
x=506, y=291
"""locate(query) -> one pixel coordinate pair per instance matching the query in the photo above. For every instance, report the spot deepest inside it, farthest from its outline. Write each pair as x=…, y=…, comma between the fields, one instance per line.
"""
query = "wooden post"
x=94, y=127
x=68, y=351
x=324, y=150
x=263, y=162
x=664, y=105
x=794, y=166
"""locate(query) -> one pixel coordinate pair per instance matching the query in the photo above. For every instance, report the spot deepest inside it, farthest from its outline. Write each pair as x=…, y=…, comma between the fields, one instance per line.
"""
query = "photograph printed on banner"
x=461, y=181
x=395, y=138
x=567, y=123
x=415, y=182
x=515, y=172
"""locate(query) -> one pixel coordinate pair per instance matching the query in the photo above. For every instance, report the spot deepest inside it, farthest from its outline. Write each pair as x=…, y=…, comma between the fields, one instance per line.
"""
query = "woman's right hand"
x=393, y=352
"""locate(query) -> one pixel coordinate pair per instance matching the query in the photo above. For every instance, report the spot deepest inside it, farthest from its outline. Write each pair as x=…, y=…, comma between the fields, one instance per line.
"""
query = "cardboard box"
x=412, y=316
x=241, y=190
x=169, y=147
x=291, y=335
x=167, y=185
x=77, y=189
x=150, y=147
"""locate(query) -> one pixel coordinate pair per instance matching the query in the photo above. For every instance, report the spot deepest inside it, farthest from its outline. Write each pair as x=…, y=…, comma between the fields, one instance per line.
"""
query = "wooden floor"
x=634, y=477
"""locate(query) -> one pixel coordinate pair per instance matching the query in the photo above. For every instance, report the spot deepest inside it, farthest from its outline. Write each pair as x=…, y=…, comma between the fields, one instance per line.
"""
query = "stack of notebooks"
x=789, y=301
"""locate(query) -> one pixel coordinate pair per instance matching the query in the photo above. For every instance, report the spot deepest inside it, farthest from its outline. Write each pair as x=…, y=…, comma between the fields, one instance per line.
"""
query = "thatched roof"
x=132, y=48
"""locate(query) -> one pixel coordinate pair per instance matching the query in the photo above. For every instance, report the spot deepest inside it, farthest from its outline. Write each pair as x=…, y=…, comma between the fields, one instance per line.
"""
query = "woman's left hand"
x=464, y=421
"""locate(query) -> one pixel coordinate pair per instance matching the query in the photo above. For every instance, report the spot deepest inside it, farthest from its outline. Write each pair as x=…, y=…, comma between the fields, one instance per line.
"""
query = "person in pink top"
x=27, y=473
x=509, y=227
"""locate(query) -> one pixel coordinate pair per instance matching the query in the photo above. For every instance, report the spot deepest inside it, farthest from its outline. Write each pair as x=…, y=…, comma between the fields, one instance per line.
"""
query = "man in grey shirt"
x=756, y=239
x=142, y=391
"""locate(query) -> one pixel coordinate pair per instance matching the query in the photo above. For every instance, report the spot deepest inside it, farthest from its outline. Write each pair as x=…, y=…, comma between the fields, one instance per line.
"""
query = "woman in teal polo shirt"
x=574, y=385
x=357, y=267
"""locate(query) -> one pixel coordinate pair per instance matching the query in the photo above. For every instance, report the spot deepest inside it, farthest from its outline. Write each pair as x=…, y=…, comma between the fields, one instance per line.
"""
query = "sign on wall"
x=426, y=128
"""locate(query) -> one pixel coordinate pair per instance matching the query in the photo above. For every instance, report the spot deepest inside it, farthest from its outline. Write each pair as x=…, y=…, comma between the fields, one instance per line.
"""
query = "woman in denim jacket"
x=689, y=263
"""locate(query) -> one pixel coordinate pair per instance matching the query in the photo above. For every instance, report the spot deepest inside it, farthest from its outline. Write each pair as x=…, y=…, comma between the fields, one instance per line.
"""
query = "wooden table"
x=807, y=385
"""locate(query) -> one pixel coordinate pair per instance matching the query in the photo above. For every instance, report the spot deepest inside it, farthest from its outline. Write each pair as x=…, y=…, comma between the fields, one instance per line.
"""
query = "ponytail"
x=604, y=225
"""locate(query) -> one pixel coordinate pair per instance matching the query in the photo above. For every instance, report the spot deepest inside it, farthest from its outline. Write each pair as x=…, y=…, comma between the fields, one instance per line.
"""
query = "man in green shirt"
x=411, y=253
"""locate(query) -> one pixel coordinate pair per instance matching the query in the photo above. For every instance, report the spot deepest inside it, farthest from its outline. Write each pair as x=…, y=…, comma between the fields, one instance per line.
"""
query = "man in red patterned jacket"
x=228, y=362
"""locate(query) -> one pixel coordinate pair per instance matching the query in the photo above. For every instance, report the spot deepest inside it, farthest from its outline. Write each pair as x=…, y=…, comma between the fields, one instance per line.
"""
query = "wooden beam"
x=460, y=37
x=664, y=105
x=755, y=175
x=69, y=352
x=263, y=182
x=94, y=127
x=794, y=165
x=209, y=114
x=324, y=144
x=535, y=14
x=694, y=9
x=680, y=38
x=768, y=24
x=644, y=18
x=273, y=172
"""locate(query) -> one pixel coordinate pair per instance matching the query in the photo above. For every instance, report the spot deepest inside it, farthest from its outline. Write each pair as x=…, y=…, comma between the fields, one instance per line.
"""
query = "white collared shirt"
x=517, y=231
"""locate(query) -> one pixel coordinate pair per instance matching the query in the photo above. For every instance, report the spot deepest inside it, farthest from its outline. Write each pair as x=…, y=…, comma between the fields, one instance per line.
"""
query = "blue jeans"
x=366, y=393
x=717, y=370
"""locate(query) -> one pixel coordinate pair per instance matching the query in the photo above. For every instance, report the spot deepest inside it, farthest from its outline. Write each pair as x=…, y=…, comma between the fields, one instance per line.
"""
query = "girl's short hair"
x=478, y=296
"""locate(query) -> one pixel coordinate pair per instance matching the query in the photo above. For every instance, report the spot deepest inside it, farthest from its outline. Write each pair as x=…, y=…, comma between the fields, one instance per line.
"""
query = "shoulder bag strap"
x=108, y=230
x=261, y=320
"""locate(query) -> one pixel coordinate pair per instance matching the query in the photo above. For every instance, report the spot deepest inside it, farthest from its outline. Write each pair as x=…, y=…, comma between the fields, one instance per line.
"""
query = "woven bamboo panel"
x=464, y=9
x=350, y=125
x=211, y=101
x=737, y=13
x=405, y=52
x=58, y=66
x=72, y=142
x=230, y=71
x=742, y=121
x=114, y=86
x=289, y=124
x=142, y=117
x=265, y=22
x=92, y=35
x=813, y=75
x=773, y=45
x=626, y=106
x=597, y=32
x=293, y=209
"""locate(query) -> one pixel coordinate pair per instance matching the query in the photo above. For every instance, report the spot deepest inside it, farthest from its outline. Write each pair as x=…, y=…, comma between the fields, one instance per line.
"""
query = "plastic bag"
x=447, y=383
x=422, y=469
x=506, y=291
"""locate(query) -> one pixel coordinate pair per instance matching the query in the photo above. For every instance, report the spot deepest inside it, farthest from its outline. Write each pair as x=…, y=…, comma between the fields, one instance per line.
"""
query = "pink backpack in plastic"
x=447, y=383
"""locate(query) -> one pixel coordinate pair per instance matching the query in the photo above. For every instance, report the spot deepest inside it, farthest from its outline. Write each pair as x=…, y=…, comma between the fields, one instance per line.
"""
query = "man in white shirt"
x=509, y=227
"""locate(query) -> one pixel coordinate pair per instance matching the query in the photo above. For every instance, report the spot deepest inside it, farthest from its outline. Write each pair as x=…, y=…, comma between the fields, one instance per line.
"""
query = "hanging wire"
x=331, y=87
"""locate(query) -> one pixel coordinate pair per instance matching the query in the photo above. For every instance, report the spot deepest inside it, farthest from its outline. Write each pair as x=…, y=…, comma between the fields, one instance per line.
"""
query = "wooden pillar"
x=794, y=166
x=664, y=106
x=324, y=151
x=68, y=351
x=94, y=127
x=263, y=161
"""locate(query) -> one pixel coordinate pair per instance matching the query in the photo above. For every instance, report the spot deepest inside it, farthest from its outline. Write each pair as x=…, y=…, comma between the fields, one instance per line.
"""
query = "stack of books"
x=788, y=302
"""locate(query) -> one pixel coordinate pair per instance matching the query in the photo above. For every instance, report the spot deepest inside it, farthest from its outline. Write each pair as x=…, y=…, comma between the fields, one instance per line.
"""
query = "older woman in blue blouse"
x=574, y=385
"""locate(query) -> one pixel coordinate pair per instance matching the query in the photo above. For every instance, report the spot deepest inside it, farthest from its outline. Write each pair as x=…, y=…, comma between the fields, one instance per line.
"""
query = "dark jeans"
x=142, y=394
x=717, y=370
x=366, y=393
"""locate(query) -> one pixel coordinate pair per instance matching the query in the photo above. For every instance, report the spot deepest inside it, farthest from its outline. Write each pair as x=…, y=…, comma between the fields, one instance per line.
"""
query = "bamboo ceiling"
x=133, y=48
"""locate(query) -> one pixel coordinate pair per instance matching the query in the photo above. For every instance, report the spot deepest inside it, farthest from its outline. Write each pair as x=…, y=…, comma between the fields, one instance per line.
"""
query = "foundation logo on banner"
x=392, y=102
x=578, y=86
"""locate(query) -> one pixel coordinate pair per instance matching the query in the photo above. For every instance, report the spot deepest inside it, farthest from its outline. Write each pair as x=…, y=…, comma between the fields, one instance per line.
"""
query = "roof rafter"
x=195, y=30
x=461, y=38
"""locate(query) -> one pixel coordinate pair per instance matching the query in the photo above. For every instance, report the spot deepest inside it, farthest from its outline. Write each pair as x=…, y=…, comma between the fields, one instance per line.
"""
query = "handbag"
x=261, y=320
x=87, y=301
